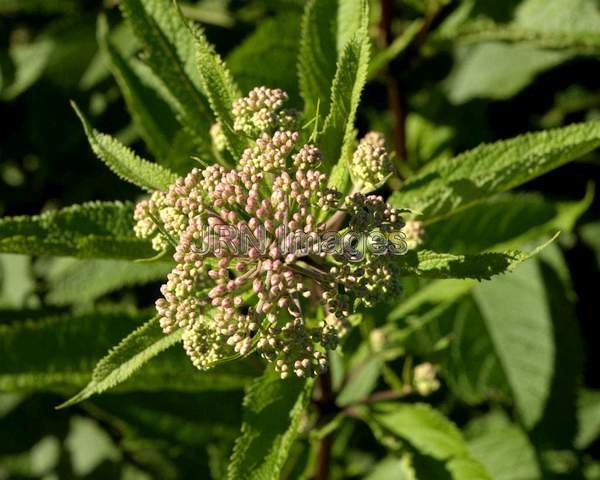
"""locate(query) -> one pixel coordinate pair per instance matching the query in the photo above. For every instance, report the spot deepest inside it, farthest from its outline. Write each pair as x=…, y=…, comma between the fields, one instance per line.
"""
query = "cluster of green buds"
x=257, y=265
x=425, y=379
x=371, y=165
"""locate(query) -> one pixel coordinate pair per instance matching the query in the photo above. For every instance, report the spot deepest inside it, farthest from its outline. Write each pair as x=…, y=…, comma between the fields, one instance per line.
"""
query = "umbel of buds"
x=371, y=164
x=254, y=268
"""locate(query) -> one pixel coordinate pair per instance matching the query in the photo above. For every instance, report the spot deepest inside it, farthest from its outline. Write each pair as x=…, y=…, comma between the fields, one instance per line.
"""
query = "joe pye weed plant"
x=305, y=262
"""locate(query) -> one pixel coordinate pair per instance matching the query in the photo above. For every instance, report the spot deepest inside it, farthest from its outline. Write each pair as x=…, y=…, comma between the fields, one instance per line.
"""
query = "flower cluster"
x=425, y=379
x=371, y=163
x=262, y=111
x=248, y=246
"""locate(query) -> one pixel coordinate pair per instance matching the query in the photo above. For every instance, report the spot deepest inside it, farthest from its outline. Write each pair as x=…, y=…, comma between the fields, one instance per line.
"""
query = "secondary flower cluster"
x=247, y=242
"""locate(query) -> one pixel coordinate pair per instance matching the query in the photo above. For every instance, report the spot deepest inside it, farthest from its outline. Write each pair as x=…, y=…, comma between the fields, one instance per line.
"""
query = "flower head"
x=252, y=257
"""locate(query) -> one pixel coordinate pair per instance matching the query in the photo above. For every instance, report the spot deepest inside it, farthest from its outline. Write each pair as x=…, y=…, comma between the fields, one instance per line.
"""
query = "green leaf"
x=337, y=138
x=541, y=35
x=588, y=416
x=352, y=15
x=72, y=346
x=94, y=229
x=361, y=381
x=123, y=162
x=504, y=450
x=87, y=280
x=497, y=71
x=127, y=357
x=557, y=429
x=518, y=320
x=169, y=48
x=432, y=434
x=30, y=61
x=272, y=411
x=505, y=221
x=318, y=55
x=151, y=114
x=582, y=43
x=16, y=280
x=220, y=89
x=446, y=186
x=556, y=24
x=392, y=468
x=276, y=41
x=425, y=263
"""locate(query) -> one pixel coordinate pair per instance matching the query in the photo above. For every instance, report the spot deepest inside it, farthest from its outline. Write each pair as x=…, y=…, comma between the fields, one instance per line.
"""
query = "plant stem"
x=326, y=404
x=396, y=99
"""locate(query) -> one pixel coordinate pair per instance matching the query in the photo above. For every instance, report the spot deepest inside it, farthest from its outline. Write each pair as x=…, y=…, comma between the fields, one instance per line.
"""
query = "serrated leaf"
x=517, y=318
x=318, y=56
x=127, y=357
x=432, y=434
x=505, y=221
x=337, y=138
x=72, y=346
x=87, y=280
x=447, y=186
x=150, y=113
x=220, y=89
x=169, y=44
x=272, y=411
x=123, y=162
x=94, y=229
x=429, y=264
x=275, y=41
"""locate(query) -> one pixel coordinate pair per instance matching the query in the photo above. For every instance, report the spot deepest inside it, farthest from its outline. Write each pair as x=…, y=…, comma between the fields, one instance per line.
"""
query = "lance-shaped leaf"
x=95, y=229
x=86, y=280
x=507, y=220
x=168, y=45
x=272, y=412
x=446, y=186
x=126, y=164
x=431, y=434
x=71, y=348
x=74, y=344
x=152, y=115
x=428, y=264
x=220, y=89
x=518, y=320
x=318, y=55
x=127, y=357
x=338, y=138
